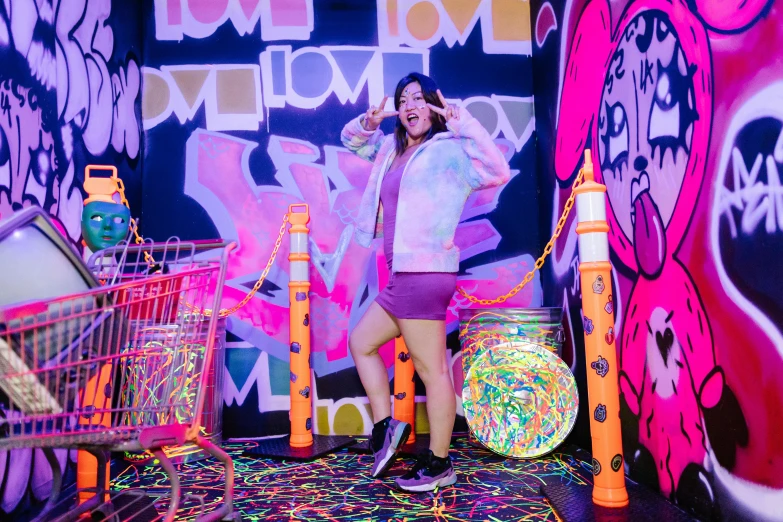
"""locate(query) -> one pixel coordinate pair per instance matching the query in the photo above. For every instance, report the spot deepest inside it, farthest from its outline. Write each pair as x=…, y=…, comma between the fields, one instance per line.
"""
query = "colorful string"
x=520, y=400
x=339, y=488
x=482, y=329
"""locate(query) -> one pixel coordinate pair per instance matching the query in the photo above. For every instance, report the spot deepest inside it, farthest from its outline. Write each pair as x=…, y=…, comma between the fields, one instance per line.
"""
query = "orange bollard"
x=94, y=394
x=600, y=353
x=299, y=328
x=404, y=387
x=100, y=188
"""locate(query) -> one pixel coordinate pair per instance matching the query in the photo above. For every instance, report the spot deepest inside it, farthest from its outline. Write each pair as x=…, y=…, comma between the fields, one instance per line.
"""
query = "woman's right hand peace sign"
x=449, y=112
x=375, y=115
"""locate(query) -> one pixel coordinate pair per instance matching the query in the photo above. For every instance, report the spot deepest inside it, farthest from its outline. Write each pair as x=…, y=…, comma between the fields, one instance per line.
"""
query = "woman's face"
x=413, y=111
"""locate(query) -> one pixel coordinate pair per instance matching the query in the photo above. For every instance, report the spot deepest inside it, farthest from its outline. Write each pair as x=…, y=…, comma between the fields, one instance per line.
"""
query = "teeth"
x=638, y=186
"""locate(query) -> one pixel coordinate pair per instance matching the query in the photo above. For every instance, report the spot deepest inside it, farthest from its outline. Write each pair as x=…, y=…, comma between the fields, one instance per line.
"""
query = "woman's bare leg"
x=375, y=329
x=426, y=342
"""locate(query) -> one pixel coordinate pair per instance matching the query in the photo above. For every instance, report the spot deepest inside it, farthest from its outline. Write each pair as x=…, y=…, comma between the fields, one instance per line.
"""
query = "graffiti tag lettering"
x=756, y=192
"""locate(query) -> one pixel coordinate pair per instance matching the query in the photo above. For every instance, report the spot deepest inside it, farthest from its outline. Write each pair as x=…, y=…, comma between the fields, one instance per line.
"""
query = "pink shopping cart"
x=122, y=367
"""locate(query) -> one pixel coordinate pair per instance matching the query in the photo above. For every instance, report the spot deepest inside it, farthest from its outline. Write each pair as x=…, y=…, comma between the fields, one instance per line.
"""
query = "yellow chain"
x=225, y=312
x=133, y=225
x=540, y=261
x=473, y=299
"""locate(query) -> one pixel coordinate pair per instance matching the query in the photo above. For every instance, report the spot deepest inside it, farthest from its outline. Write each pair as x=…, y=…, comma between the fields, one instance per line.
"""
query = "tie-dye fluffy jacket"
x=435, y=184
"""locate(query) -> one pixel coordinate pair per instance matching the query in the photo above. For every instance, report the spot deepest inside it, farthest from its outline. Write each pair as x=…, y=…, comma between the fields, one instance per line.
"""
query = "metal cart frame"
x=122, y=367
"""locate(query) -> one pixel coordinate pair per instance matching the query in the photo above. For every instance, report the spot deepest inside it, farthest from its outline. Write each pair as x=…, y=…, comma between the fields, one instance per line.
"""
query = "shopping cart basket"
x=119, y=368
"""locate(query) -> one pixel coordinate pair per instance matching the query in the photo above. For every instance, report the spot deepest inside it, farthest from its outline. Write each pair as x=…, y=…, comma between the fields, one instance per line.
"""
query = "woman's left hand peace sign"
x=449, y=112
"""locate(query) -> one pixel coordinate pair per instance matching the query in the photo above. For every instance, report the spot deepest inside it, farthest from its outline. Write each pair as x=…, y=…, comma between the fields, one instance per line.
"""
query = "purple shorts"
x=418, y=295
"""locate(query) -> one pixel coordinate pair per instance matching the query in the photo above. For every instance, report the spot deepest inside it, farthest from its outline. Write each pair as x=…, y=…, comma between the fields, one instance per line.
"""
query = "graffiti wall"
x=243, y=104
x=680, y=103
x=70, y=95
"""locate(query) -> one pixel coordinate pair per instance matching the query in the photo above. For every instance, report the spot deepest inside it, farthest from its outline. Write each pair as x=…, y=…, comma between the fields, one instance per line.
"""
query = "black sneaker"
x=385, y=442
x=428, y=473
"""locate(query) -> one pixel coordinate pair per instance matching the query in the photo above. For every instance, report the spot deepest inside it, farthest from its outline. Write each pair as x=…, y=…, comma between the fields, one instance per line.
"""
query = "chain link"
x=225, y=312
x=540, y=262
x=133, y=223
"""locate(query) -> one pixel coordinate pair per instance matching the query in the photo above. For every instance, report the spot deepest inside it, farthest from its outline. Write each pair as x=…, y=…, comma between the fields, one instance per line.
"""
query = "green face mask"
x=104, y=224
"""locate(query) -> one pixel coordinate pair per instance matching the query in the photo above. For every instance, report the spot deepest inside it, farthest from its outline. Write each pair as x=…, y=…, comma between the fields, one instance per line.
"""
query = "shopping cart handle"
x=22, y=310
x=210, y=244
x=200, y=245
x=156, y=437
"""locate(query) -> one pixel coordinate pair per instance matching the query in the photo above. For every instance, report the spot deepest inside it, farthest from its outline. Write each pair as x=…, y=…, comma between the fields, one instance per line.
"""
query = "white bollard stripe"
x=300, y=271
x=593, y=246
x=591, y=206
x=299, y=243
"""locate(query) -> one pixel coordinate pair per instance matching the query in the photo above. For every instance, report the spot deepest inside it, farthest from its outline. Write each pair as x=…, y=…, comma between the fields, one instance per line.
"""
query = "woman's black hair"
x=430, y=91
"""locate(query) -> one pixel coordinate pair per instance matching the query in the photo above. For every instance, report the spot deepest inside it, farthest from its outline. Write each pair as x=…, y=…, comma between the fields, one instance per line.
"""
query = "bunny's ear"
x=729, y=16
x=583, y=82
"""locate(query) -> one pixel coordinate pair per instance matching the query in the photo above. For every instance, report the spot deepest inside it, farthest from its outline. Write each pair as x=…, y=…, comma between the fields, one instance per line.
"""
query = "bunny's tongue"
x=649, y=236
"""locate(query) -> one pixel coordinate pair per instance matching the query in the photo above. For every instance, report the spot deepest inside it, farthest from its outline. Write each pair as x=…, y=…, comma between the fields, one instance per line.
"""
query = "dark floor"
x=338, y=487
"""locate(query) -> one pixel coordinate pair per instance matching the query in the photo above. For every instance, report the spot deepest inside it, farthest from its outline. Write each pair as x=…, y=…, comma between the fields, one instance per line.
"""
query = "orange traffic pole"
x=601, y=356
x=299, y=328
x=100, y=188
x=95, y=395
x=404, y=388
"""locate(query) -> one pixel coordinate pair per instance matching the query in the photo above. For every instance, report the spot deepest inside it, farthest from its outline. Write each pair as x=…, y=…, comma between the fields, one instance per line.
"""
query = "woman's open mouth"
x=413, y=119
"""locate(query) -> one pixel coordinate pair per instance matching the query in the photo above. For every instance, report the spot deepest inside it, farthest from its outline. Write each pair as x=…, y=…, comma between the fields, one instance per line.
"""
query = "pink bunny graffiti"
x=640, y=94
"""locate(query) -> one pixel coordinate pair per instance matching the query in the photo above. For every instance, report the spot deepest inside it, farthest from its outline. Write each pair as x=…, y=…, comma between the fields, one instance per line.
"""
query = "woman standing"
x=421, y=177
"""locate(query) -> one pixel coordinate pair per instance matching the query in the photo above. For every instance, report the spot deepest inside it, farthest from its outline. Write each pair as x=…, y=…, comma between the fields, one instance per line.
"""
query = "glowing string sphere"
x=520, y=400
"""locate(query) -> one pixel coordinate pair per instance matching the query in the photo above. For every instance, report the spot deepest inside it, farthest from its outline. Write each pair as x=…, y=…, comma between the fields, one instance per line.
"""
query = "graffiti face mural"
x=645, y=130
x=29, y=157
x=69, y=91
x=62, y=98
x=646, y=122
x=640, y=93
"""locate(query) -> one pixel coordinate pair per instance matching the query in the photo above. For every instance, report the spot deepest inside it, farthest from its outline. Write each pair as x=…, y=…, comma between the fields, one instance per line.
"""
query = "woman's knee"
x=374, y=330
x=431, y=372
x=360, y=345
